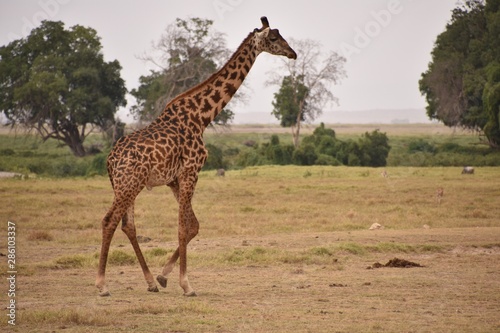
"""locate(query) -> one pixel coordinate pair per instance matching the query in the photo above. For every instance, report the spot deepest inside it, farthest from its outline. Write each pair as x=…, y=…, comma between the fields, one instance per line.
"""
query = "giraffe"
x=170, y=151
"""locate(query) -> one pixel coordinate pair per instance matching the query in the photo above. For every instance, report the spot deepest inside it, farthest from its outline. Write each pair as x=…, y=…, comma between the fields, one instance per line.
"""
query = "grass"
x=277, y=200
x=272, y=243
x=67, y=317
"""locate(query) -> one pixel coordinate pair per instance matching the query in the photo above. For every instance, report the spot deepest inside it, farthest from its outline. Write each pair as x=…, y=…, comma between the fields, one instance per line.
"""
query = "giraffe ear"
x=265, y=22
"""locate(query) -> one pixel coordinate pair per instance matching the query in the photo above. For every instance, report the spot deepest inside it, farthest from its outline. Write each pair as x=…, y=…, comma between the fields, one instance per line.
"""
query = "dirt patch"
x=396, y=262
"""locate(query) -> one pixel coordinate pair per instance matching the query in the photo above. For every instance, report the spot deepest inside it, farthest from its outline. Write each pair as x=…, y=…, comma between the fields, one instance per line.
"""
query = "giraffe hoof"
x=153, y=289
x=162, y=280
x=190, y=294
x=105, y=293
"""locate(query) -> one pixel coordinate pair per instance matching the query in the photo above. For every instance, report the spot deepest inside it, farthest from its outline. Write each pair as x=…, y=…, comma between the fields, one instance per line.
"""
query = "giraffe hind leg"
x=109, y=224
x=169, y=266
x=128, y=227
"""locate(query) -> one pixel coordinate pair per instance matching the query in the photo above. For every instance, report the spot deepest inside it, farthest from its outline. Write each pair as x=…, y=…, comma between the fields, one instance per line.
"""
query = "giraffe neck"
x=199, y=106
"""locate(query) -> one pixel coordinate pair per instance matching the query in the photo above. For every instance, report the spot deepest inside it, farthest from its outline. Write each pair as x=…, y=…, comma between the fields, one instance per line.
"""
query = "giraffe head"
x=269, y=40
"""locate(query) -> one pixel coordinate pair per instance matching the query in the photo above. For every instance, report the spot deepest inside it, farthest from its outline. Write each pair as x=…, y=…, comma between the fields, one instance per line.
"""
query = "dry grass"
x=280, y=249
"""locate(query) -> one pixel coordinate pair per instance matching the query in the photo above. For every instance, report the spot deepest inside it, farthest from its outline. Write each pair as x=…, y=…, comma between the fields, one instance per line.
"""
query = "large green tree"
x=462, y=83
x=56, y=82
x=186, y=54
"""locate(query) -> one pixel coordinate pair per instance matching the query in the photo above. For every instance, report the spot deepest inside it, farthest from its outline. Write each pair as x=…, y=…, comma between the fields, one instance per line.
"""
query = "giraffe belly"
x=158, y=179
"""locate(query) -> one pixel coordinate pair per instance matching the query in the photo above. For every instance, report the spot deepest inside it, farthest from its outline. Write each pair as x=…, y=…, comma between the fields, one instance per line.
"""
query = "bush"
x=69, y=168
x=450, y=147
x=38, y=167
x=420, y=145
x=375, y=148
x=250, y=157
x=305, y=155
x=327, y=160
x=215, y=158
x=276, y=153
x=322, y=147
x=98, y=165
x=7, y=152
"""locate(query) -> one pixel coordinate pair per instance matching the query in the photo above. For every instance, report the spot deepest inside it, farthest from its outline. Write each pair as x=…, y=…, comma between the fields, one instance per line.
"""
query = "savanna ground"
x=280, y=249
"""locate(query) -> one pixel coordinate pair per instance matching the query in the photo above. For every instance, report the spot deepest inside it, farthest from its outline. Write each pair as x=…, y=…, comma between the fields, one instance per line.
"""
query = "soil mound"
x=396, y=262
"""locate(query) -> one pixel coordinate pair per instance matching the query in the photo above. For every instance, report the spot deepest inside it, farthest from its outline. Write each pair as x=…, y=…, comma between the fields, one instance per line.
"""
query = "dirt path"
x=308, y=282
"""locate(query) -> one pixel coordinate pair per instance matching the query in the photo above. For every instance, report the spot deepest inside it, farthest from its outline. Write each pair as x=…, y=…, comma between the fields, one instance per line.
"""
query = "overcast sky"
x=387, y=42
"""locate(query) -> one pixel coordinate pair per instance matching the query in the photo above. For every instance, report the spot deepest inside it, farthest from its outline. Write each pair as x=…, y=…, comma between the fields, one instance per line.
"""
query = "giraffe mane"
x=212, y=77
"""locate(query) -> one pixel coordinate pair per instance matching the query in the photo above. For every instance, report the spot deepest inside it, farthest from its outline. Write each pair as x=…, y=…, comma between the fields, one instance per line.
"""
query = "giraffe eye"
x=273, y=38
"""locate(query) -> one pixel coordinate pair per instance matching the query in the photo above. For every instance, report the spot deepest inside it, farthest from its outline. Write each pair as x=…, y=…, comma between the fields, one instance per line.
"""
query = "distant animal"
x=384, y=174
x=468, y=170
x=439, y=194
x=221, y=172
x=171, y=152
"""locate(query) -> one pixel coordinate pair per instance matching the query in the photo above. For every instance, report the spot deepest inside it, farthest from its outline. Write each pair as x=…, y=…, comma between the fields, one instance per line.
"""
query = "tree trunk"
x=296, y=128
x=73, y=140
x=77, y=149
x=295, y=135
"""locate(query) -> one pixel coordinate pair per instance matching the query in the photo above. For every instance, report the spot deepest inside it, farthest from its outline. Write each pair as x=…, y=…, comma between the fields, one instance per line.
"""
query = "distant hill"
x=394, y=116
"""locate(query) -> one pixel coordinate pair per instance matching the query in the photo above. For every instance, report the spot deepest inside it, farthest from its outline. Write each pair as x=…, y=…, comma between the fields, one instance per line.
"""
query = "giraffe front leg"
x=183, y=280
x=186, y=234
x=167, y=269
x=183, y=189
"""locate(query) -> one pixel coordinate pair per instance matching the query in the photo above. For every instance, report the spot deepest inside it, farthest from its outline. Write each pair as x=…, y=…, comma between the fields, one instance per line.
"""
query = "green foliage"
x=324, y=159
x=462, y=83
x=305, y=154
x=420, y=145
x=57, y=82
x=491, y=100
x=26, y=154
x=277, y=153
x=98, y=165
x=215, y=158
x=323, y=148
x=289, y=105
x=430, y=152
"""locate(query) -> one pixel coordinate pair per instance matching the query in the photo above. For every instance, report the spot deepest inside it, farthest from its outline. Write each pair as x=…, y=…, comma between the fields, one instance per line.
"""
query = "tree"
x=289, y=105
x=460, y=83
x=305, y=89
x=187, y=53
x=56, y=82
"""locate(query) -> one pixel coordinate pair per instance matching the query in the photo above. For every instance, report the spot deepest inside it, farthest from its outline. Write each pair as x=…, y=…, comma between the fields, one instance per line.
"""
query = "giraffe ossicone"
x=170, y=151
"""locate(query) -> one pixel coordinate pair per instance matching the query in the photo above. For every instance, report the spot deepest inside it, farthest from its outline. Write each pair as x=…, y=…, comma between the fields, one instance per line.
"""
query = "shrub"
x=450, y=147
x=276, y=153
x=215, y=158
x=38, y=167
x=98, y=165
x=69, y=168
x=420, y=145
x=305, y=155
x=7, y=152
x=375, y=148
x=324, y=159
